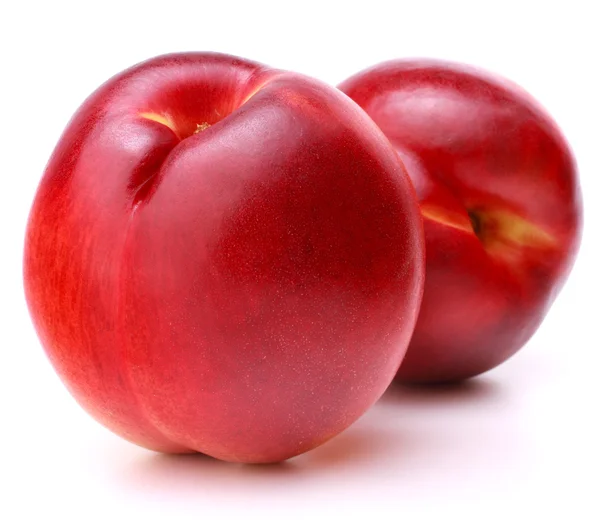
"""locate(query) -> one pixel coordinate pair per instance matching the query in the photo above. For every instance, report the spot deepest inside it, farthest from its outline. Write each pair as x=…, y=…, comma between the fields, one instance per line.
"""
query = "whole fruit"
x=224, y=258
x=500, y=200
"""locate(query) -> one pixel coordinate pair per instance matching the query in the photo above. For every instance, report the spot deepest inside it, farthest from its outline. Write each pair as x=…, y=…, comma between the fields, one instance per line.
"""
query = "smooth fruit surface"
x=224, y=258
x=500, y=199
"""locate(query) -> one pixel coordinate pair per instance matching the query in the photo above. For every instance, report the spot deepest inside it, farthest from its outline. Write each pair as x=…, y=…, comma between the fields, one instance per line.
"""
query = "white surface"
x=517, y=447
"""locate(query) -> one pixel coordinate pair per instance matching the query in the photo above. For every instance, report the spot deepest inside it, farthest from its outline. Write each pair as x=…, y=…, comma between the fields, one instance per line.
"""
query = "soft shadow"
x=362, y=444
x=188, y=468
x=365, y=444
x=477, y=391
x=398, y=430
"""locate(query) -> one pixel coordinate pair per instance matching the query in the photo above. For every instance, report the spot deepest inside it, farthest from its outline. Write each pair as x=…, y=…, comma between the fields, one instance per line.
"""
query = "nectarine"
x=500, y=198
x=225, y=258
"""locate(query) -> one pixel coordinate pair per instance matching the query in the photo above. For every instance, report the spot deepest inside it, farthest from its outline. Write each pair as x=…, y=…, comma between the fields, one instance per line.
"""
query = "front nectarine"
x=224, y=258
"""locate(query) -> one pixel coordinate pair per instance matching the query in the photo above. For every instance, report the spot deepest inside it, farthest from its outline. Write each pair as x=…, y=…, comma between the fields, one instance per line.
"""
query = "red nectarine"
x=225, y=258
x=500, y=199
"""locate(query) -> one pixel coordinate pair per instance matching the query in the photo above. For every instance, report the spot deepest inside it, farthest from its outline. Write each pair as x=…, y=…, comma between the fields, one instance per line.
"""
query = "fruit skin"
x=500, y=199
x=246, y=291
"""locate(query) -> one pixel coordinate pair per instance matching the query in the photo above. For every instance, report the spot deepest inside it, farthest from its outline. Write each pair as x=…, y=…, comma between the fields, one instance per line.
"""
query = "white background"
x=517, y=447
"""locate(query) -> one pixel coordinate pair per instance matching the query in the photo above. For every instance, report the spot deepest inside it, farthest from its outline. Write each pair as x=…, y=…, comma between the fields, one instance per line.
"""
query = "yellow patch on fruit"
x=446, y=217
x=201, y=126
x=503, y=233
x=508, y=235
x=520, y=231
x=159, y=118
x=251, y=94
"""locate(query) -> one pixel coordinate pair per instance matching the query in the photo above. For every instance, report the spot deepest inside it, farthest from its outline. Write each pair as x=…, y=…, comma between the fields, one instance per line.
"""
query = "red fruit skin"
x=500, y=198
x=246, y=291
